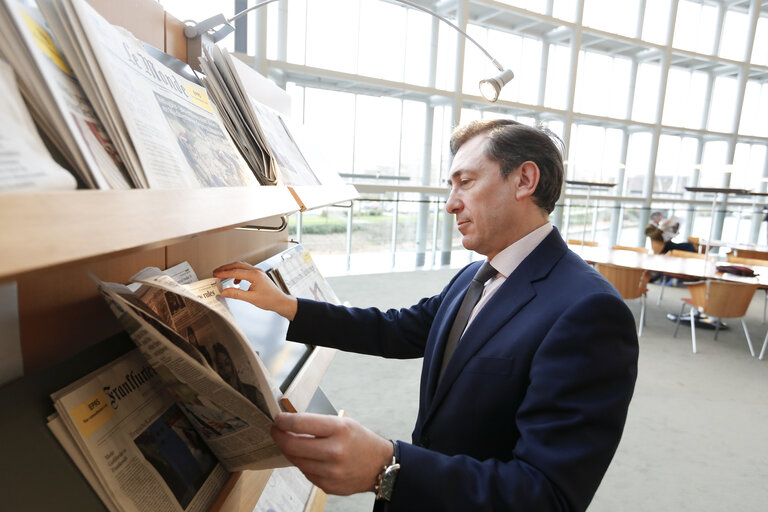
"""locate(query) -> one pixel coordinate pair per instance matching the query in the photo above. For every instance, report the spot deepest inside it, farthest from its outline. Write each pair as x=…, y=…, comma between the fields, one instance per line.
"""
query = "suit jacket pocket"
x=490, y=365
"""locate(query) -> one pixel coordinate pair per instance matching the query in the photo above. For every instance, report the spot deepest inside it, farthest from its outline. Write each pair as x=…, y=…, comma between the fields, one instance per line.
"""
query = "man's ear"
x=528, y=179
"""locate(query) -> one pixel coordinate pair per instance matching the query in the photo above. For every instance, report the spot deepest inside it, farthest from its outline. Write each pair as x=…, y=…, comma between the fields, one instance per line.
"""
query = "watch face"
x=388, y=482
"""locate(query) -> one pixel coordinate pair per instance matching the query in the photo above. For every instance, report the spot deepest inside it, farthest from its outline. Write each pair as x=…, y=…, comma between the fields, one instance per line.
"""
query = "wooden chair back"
x=630, y=282
x=746, y=261
x=694, y=240
x=642, y=250
x=749, y=253
x=657, y=246
x=588, y=243
x=686, y=254
x=722, y=299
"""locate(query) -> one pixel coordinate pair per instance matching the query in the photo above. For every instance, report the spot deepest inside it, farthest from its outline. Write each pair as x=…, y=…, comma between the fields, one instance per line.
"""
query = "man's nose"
x=453, y=204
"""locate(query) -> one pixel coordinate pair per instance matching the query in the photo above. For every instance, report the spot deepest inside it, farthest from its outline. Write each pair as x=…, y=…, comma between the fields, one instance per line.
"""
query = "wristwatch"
x=385, y=481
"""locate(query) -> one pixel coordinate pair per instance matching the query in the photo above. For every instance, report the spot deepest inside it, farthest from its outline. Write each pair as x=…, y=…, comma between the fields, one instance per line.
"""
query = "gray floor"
x=696, y=433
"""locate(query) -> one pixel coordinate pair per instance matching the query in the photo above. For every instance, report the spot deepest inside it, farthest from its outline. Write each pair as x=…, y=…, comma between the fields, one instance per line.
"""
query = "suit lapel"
x=508, y=300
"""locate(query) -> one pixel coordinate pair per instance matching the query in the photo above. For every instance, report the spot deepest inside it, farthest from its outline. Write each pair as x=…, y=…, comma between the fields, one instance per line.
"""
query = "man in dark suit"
x=526, y=412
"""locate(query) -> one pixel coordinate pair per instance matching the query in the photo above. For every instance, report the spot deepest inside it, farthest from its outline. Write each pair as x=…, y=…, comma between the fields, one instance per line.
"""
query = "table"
x=690, y=268
x=737, y=247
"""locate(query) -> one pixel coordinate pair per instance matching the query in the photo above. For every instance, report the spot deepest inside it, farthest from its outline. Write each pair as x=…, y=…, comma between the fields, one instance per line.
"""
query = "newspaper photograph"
x=25, y=163
x=58, y=101
x=141, y=447
x=164, y=126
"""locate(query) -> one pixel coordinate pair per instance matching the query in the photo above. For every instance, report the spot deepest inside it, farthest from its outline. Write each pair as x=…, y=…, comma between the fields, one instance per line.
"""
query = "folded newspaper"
x=163, y=126
x=196, y=386
x=262, y=134
x=25, y=163
x=57, y=101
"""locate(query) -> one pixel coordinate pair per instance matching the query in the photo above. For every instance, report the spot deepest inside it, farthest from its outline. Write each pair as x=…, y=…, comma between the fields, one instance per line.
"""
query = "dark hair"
x=511, y=143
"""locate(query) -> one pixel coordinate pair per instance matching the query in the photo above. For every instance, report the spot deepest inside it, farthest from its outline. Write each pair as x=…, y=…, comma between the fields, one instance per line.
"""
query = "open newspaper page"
x=165, y=129
x=141, y=447
x=25, y=163
x=256, y=124
x=57, y=101
x=218, y=381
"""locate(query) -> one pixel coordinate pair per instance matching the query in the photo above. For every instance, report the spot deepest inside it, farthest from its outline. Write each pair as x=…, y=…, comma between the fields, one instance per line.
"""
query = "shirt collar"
x=508, y=260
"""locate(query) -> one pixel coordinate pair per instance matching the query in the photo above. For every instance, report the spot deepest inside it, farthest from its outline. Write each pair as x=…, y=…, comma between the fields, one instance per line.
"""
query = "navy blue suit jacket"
x=532, y=405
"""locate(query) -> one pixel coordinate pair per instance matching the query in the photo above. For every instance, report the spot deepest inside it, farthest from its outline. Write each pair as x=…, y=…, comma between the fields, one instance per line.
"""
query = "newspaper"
x=164, y=128
x=56, y=99
x=66, y=439
x=134, y=444
x=262, y=133
x=206, y=363
x=25, y=163
x=287, y=490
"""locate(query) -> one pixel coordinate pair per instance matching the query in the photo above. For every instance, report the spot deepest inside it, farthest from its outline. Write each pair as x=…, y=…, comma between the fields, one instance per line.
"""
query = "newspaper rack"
x=63, y=328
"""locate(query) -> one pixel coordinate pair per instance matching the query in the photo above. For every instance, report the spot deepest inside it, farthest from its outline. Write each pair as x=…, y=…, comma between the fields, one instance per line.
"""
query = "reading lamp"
x=206, y=33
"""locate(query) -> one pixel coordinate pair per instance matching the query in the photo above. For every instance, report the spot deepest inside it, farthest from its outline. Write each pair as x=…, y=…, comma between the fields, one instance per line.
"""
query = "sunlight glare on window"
x=332, y=34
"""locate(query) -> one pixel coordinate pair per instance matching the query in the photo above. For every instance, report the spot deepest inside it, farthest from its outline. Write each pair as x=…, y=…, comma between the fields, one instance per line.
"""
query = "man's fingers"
x=242, y=274
x=318, y=425
x=235, y=293
x=233, y=265
x=301, y=448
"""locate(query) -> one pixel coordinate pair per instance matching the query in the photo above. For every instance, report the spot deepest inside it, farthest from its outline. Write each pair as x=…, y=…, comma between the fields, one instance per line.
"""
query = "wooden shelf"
x=44, y=230
x=310, y=197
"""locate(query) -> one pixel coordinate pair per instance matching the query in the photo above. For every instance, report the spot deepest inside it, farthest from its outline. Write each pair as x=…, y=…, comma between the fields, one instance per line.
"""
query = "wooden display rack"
x=49, y=243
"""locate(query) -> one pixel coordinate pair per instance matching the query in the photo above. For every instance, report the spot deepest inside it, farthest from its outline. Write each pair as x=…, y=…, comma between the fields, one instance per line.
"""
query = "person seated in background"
x=664, y=230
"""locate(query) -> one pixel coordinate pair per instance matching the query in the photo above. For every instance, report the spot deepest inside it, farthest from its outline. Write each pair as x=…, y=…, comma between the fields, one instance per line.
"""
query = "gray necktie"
x=465, y=310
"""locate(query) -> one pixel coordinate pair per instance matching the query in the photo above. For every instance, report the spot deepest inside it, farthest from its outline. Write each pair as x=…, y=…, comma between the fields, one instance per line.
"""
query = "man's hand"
x=336, y=454
x=262, y=293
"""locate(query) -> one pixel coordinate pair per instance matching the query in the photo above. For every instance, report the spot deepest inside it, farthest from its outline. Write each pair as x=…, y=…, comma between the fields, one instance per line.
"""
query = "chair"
x=642, y=250
x=694, y=240
x=573, y=241
x=677, y=253
x=657, y=246
x=752, y=261
x=718, y=299
x=631, y=283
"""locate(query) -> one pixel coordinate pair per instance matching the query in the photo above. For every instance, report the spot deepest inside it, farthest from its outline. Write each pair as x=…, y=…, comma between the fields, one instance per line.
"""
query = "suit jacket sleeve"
x=570, y=422
x=394, y=333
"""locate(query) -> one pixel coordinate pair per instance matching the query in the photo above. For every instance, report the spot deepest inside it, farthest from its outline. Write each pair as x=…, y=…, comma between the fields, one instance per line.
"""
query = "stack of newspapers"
x=121, y=115
x=118, y=115
x=167, y=422
x=163, y=127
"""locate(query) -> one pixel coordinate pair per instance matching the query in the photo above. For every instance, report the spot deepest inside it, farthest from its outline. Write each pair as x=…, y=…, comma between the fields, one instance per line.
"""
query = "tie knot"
x=485, y=273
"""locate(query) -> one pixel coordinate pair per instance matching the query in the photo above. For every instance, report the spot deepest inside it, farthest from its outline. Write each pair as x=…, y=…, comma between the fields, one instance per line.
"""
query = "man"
x=664, y=231
x=528, y=410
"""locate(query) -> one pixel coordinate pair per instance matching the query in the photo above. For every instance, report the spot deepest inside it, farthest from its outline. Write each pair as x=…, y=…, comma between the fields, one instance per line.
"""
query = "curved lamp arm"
x=489, y=87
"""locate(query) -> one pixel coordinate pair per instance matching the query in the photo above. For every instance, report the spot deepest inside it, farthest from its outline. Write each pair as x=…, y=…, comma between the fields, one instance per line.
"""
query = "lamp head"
x=491, y=87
